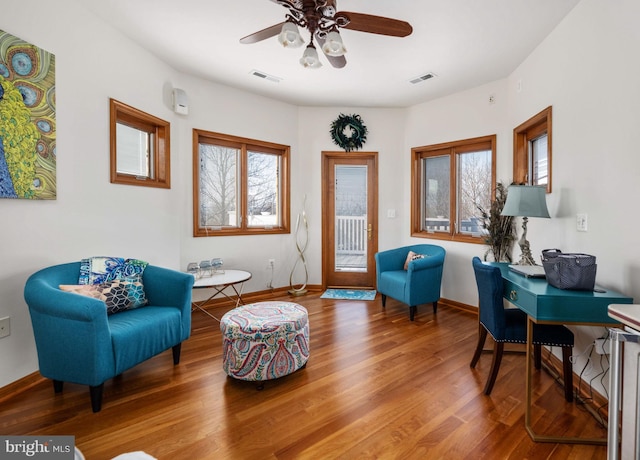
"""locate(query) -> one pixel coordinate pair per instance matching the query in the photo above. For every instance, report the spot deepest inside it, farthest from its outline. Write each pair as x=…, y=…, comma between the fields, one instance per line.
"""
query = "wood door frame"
x=372, y=213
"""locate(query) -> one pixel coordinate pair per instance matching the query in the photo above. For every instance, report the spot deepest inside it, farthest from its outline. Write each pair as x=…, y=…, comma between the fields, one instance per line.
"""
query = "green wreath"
x=357, y=129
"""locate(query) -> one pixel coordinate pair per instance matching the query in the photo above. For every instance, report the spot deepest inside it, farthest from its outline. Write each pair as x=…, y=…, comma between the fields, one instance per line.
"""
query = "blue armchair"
x=419, y=283
x=78, y=342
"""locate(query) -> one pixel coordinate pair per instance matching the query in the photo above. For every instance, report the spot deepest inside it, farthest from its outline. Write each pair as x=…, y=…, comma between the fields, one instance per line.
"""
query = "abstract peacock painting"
x=27, y=120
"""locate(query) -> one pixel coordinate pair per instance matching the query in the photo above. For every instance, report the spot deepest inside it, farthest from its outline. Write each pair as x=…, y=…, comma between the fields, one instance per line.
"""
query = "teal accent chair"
x=417, y=285
x=78, y=342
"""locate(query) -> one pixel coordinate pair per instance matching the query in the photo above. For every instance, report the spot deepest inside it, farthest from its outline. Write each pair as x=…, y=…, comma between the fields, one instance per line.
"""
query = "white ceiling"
x=466, y=43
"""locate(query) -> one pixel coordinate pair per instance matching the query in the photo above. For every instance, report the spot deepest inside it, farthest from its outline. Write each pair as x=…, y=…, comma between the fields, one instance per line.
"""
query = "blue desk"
x=546, y=304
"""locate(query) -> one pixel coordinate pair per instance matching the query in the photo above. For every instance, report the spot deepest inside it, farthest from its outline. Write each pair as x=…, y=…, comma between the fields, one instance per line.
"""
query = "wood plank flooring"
x=376, y=386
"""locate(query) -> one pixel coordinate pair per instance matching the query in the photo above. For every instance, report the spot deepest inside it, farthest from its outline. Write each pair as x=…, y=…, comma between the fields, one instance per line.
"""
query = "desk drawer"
x=523, y=299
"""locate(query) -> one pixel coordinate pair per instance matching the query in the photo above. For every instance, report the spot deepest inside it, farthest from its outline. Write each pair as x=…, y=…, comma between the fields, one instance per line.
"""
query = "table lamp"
x=526, y=201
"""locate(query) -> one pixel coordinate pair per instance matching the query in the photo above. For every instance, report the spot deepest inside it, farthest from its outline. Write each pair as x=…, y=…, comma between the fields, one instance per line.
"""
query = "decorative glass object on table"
x=194, y=269
x=216, y=263
x=205, y=268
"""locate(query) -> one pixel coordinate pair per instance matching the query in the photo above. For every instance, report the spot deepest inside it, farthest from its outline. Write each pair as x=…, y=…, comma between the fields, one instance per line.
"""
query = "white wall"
x=385, y=129
x=585, y=69
x=90, y=216
x=222, y=109
x=93, y=217
x=464, y=115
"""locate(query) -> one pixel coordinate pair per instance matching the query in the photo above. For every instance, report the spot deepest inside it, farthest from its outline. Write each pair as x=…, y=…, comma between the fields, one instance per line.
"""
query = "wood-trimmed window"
x=450, y=182
x=140, y=147
x=532, y=151
x=240, y=186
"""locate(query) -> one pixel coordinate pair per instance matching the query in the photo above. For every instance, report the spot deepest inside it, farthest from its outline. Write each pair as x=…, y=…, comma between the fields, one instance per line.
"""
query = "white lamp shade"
x=309, y=58
x=290, y=36
x=526, y=200
x=333, y=45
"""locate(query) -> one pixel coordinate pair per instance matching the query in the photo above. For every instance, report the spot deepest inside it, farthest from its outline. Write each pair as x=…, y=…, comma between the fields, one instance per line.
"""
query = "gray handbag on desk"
x=569, y=270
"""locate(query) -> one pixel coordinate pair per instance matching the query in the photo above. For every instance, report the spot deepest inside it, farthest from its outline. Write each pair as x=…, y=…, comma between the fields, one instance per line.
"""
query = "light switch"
x=5, y=327
x=581, y=222
x=391, y=213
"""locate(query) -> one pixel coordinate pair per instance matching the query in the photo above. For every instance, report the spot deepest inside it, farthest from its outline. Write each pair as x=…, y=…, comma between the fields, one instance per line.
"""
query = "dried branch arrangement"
x=500, y=229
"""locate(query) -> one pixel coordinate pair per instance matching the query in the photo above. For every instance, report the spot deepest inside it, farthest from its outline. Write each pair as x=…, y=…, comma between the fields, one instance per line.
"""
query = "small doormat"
x=349, y=294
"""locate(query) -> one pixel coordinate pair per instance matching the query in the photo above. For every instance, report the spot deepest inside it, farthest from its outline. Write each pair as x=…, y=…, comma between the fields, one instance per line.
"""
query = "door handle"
x=369, y=231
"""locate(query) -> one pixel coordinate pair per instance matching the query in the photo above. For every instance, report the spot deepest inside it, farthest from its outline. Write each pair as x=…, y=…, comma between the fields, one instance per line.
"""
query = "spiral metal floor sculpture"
x=301, y=288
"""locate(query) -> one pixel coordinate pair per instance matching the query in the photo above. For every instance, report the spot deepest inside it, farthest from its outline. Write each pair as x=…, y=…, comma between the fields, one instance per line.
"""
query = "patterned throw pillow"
x=96, y=270
x=118, y=295
x=412, y=256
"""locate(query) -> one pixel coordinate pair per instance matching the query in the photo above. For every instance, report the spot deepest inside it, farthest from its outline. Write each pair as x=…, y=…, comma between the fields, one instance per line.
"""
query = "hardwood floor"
x=376, y=386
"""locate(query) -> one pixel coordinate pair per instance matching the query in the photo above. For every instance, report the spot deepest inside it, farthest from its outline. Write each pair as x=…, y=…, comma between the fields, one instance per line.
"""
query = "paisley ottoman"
x=264, y=340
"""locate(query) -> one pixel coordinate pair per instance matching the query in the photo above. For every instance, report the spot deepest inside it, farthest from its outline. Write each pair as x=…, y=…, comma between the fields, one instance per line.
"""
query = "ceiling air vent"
x=265, y=76
x=426, y=76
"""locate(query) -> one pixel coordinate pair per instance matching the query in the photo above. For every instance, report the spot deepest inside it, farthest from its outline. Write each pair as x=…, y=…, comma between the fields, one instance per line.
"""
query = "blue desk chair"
x=509, y=325
x=416, y=284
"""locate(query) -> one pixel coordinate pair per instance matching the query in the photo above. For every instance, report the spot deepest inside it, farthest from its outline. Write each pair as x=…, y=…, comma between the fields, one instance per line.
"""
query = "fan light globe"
x=309, y=58
x=333, y=45
x=290, y=36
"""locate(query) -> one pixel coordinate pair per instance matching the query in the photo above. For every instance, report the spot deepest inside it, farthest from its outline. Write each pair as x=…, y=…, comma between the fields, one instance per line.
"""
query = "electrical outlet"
x=5, y=327
x=272, y=265
x=602, y=346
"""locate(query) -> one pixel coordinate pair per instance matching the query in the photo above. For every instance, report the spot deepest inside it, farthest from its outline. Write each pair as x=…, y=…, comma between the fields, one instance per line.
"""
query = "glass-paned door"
x=350, y=219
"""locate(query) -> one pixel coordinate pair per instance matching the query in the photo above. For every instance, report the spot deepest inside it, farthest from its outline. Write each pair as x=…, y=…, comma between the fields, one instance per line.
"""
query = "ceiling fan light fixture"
x=290, y=36
x=333, y=45
x=310, y=58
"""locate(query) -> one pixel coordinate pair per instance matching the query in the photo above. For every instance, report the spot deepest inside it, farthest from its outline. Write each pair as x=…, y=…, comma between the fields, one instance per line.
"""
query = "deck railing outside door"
x=351, y=242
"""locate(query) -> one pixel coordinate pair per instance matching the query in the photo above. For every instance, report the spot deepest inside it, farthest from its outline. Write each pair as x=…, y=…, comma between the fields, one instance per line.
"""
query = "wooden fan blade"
x=262, y=34
x=377, y=24
x=336, y=61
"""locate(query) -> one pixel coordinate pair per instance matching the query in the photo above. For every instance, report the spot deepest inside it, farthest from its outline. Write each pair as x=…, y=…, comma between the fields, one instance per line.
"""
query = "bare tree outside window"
x=474, y=189
x=218, y=172
x=450, y=182
x=239, y=189
x=263, y=188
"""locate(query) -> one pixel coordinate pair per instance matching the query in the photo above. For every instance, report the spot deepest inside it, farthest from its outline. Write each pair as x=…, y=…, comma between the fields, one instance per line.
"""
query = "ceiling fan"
x=323, y=21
